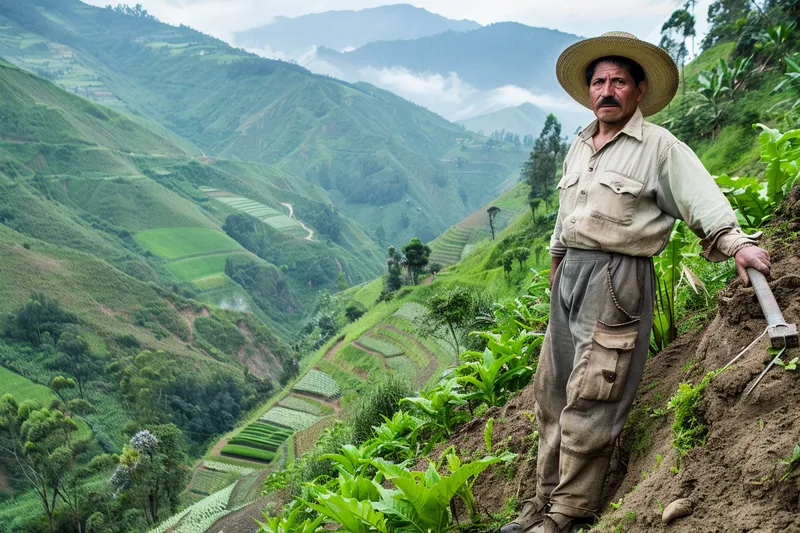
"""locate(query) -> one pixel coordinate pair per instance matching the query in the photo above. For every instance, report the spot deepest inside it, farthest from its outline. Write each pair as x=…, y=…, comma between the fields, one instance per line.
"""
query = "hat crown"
x=620, y=34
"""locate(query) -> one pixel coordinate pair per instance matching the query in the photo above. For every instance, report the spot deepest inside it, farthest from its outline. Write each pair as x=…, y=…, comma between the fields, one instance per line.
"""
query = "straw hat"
x=659, y=68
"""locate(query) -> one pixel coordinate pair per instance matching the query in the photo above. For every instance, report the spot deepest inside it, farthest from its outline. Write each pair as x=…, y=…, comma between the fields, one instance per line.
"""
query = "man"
x=625, y=182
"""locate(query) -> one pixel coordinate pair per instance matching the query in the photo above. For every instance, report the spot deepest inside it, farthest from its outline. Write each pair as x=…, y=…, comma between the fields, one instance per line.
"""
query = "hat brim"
x=660, y=70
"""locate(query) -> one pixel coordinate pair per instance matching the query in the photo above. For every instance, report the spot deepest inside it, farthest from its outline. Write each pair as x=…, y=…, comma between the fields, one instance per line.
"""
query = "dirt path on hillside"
x=291, y=215
x=331, y=353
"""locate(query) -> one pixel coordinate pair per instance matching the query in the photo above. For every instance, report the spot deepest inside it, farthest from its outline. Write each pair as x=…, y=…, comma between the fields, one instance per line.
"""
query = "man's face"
x=613, y=93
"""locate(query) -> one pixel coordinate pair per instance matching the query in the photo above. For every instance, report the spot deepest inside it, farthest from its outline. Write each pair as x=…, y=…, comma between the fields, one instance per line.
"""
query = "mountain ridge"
x=341, y=29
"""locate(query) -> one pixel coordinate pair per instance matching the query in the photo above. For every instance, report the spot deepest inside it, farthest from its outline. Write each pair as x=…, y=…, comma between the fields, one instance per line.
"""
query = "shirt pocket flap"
x=568, y=180
x=622, y=341
x=620, y=184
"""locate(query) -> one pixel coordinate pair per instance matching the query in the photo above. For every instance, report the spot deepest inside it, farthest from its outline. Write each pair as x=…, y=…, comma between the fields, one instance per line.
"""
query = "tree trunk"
x=455, y=340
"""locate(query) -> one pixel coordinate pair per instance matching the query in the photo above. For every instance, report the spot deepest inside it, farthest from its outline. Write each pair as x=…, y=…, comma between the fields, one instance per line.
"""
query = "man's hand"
x=752, y=257
x=554, y=262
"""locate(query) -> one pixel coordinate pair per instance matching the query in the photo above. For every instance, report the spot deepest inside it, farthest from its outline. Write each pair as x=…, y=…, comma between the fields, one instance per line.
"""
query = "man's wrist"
x=740, y=246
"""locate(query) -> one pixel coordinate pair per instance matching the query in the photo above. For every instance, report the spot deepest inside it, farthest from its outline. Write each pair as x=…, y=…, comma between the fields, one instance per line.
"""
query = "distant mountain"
x=341, y=30
x=489, y=57
x=523, y=119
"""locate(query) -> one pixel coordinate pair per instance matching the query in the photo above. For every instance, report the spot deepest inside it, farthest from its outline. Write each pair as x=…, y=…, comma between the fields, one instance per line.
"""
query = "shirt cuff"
x=725, y=242
x=557, y=249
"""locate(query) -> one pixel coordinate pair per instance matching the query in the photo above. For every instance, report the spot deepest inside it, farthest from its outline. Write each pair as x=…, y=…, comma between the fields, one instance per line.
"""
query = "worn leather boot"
x=532, y=515
x=561, y=523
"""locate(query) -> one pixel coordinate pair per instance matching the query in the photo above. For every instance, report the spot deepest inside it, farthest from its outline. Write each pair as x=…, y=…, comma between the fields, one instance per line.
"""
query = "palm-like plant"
x=437, y=408
x=501, y=369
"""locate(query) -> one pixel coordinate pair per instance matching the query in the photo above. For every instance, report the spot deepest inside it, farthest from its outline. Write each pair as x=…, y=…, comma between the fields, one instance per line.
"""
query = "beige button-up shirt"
x=626, y=196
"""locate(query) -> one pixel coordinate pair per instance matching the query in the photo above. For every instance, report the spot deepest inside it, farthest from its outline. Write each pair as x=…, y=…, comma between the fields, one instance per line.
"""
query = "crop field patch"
x=200, y=268
x=23, y=388
x=319, y=383
x=382, y=346
x=300, y=404
x=282, y=416
x=268, y=215
x=208, y=482
x=172, y=243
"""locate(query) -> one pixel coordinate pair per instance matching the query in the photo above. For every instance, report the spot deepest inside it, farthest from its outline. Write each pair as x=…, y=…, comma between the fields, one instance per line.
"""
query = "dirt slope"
x=733, y=480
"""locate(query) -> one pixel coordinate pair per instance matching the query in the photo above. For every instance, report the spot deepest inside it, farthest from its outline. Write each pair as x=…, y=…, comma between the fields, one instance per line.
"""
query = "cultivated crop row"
x=289, y=418
x=386, y=349
x=248, y=452
x=299, y=404
x=410, y=311
x=228, y=469
x=259, y=440
x=319, y=383
x=195, y=515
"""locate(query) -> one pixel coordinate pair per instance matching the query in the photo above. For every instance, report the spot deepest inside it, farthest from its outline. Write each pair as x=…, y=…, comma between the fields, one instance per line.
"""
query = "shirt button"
x=583, y=192
x=573, y=220
x=591, y=169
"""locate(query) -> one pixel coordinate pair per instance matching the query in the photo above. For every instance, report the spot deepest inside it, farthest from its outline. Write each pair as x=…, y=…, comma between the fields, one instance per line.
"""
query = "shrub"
x=380, y=399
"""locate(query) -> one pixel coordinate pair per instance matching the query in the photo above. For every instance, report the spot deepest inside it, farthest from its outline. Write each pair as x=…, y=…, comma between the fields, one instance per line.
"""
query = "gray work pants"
x=592, y=359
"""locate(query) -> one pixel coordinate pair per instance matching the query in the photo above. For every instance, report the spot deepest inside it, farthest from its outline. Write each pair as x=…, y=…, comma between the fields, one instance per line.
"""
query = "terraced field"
x=457, y=242
x=264, y=213
x=193, y=254
x=261, y=440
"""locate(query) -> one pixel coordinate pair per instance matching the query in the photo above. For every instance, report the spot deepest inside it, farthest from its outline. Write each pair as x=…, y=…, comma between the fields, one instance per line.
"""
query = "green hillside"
x=85, y=176
x=374, y=152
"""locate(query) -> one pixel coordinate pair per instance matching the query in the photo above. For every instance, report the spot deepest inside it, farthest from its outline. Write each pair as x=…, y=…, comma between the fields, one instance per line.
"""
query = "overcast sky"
x=221, y=18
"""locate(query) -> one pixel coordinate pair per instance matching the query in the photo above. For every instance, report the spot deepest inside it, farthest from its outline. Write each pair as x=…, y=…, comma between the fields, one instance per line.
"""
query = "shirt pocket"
x=615, y=197
x=567, y=192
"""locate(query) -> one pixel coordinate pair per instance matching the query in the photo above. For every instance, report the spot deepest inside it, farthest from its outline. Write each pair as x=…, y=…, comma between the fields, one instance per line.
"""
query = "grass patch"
x=171, y=243
x=200, y=267
x=23, y=389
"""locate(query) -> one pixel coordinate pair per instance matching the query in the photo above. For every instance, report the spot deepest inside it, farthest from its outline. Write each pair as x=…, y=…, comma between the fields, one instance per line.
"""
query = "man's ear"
x=642, y=90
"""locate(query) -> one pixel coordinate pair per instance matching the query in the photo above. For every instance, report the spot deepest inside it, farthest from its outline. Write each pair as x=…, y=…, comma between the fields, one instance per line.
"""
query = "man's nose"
x=608, y=89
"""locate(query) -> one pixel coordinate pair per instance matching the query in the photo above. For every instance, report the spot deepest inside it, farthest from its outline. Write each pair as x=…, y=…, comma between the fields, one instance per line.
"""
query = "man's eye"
x=619, y=83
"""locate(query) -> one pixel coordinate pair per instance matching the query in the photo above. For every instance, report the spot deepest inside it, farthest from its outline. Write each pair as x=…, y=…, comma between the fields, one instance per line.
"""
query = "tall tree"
x=417, y=254
x=449, y=311
x=394, y=263
x=492, y=211
x=674, y=33
x=539, y=171
x=41, y=444
x=75, y=356
x=151, y=471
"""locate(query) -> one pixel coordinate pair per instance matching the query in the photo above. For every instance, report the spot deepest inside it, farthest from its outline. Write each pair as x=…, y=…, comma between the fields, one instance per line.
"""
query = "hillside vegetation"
x=376, y=154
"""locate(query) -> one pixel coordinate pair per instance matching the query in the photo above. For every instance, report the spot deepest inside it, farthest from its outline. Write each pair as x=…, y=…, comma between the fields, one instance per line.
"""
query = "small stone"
x=677, y=509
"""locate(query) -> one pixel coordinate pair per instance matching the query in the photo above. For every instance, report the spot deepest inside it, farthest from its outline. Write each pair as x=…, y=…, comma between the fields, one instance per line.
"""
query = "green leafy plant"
x=421, y=502
x=490, y=376
x=690, y=428
x=790, y=366
x=487, y=434
x=289, y=523
x=437, y=408
x=791, y=462
x=398, y=437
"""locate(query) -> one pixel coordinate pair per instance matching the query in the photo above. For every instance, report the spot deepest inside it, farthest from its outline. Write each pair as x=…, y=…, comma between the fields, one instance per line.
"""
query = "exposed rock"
x=677, y=509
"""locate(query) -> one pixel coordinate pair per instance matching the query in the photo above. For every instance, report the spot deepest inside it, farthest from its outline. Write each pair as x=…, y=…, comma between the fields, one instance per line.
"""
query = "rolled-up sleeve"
x=687, y=191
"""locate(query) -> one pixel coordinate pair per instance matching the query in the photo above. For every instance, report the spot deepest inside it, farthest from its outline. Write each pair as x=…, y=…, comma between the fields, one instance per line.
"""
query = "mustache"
x=608, y=101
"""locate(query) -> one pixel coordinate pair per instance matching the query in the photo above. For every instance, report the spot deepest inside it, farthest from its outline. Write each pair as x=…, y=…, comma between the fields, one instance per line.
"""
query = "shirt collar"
x=634, y=128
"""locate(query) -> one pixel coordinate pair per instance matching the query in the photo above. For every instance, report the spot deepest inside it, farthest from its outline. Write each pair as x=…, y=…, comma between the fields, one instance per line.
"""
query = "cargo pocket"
x=615, y=197
x=608, y=361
